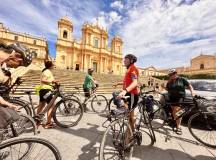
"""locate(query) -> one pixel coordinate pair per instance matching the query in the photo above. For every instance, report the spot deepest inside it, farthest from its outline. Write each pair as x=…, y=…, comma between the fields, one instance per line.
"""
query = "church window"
x=35, y=42
x=65, y=34
x=96, y=42
x=202, y=66
x=16, y=38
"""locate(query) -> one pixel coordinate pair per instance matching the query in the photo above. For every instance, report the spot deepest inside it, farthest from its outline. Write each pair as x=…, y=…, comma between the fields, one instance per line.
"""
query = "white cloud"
x=106, y=20
x=117, y=4
x=169, y=33
x=46, y=2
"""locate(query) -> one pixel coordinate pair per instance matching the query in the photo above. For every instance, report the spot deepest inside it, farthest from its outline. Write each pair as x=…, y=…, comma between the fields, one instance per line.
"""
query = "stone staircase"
x=69, y=79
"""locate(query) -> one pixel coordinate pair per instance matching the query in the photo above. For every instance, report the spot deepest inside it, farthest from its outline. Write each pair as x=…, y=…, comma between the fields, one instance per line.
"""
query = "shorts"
x=132, y=100
x=171, y=99
x=45, y=95
x=175, y=99
x=87, y=92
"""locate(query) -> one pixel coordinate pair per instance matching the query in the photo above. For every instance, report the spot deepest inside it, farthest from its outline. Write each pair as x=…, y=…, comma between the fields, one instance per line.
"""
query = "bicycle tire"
x=93, y=106
x=25, y=124
x=11, y=146
x=109, y=104
x=30, y=125
x=72, y=110
x=208, y=123
x=147, y=123
x=25, y=109
x=112, y=127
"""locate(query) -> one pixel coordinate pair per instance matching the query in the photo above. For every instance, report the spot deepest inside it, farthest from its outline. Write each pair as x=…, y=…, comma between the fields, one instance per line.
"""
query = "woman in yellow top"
x=47, y=80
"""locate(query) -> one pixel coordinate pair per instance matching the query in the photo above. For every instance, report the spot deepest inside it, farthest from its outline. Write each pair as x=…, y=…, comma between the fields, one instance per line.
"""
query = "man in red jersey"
x=130, y=85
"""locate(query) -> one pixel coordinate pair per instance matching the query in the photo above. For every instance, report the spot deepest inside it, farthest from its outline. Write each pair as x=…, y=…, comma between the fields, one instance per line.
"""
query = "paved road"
x=82, y=142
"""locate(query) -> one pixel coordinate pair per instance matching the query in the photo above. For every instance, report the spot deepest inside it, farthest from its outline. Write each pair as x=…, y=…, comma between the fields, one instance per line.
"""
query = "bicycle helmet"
x=26, y=54
x=172, y=71
x=131, y=57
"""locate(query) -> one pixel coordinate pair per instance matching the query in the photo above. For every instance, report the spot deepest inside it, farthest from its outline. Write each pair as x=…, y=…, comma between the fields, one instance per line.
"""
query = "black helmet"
x=131, y=57
x=26, y=54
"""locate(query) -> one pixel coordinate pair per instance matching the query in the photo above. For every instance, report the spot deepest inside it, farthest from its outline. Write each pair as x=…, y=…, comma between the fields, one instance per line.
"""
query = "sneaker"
x=179, y=131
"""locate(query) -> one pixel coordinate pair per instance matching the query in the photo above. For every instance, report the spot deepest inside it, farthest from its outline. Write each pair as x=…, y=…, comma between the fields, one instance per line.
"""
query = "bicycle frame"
x=93, y=94
x=187, y=106
x=56, y=94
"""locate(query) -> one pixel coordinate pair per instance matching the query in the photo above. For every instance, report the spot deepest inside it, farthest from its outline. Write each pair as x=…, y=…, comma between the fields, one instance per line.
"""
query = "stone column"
x=85, y=62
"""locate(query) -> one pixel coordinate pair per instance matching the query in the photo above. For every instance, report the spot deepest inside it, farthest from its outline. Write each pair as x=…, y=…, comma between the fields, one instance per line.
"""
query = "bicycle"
x=97, y=100
x=25, y=124
x=29, y=148
x=118, y=139
x=66, y=113
x=206, y=119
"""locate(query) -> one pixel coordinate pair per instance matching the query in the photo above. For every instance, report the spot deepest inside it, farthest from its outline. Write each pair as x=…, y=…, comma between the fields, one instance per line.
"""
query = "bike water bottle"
x=179, y=113
x=138, y=120
x=47, y=95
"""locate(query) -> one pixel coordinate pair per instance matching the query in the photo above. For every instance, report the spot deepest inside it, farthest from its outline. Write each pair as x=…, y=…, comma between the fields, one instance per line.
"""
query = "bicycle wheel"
x=29, y=148
x=99, y=103
x=25, y=124
x=111, y=105
x=24, y=106
x=158, y=117
x=113, y=144
x=67, y=113
x=148, y=125
x=202, y=127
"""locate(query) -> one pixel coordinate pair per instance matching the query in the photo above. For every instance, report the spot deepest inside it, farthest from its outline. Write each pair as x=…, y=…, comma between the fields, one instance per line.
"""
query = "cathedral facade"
x=91, y=51
x=38, y=45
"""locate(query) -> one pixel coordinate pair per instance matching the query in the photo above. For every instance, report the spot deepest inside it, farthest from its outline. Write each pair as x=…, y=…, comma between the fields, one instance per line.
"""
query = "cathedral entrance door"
x=77, y=67
x=95, y=66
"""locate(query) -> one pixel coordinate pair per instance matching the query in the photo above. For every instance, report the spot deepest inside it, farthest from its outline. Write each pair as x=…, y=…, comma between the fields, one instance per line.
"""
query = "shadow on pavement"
x=89, y=151
x=94, y=136
x=154, y=153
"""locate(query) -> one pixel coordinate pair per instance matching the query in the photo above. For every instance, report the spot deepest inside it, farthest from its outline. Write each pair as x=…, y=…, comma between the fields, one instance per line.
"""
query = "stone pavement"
x=82, y=142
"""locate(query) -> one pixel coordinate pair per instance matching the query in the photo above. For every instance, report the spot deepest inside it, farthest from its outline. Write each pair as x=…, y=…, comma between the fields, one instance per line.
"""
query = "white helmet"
x=172, y=71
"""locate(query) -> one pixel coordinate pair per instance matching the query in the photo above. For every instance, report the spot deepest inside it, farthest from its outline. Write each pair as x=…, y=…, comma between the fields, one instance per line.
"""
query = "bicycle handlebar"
x=8, y=88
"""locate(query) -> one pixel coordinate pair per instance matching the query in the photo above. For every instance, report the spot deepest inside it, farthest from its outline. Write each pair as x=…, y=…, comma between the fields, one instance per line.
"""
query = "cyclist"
x=12, y=56
x=130, y=85
x=89, y=84
x=44, y=91
x=176, y=86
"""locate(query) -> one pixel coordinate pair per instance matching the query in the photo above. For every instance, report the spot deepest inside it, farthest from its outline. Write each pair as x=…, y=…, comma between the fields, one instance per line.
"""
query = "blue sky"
x=162, y=33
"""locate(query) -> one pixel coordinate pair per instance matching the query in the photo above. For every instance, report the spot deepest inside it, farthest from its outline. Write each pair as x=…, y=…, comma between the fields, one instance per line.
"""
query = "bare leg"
x=132, y=120
x=40, y=107
x=49, y=113
x=175, y=110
